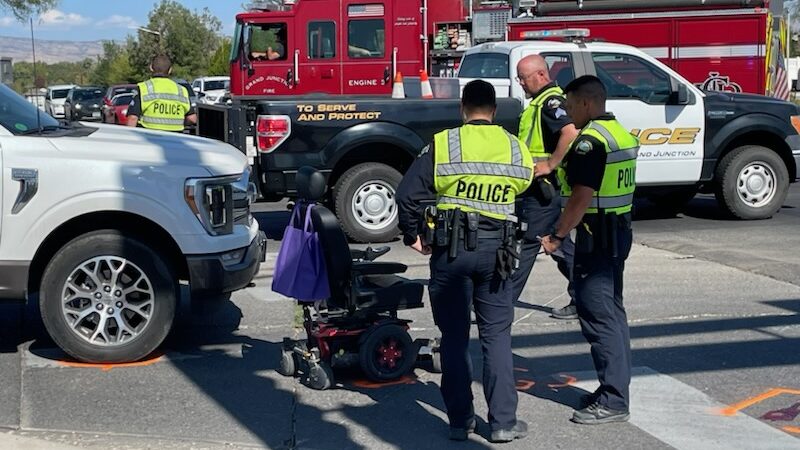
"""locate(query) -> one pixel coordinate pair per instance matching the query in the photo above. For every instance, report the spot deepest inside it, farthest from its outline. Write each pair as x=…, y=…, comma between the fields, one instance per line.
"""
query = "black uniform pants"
x=470, y=278
x=598, y=287
x=541, y=219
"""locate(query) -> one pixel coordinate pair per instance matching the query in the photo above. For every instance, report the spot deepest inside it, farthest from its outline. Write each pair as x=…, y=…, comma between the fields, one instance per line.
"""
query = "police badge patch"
x=554, y=103
x=583, y=147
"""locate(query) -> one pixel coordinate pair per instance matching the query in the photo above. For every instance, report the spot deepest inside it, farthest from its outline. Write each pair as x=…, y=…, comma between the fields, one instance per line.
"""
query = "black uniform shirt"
x=554, y=117
x=417, y=189
x=586, y=160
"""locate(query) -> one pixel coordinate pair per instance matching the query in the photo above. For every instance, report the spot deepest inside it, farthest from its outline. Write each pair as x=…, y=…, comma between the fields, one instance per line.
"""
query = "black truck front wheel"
x=752, y=182
x=364, y=198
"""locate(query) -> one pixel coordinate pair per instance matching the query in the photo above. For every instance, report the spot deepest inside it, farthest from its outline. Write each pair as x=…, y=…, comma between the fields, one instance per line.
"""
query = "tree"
x=188, y=37
x=113, y=67
x=23, y=9
x=220, y=60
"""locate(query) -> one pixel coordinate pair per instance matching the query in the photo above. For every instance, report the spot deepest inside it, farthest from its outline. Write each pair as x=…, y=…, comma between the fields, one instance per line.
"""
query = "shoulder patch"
x=583, y=147
x=554, y=103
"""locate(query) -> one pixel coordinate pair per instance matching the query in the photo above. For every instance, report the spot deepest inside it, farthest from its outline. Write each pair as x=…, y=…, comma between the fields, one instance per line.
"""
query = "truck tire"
x=364, y=199
x=752, y=182
x=106, y=297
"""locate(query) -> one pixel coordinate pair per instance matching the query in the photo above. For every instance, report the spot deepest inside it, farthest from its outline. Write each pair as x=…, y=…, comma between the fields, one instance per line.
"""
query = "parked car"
x=84, y=104
x=117, y=111
x=54, y=101
x=210, y=90
x=117, y=89
x=104, y=225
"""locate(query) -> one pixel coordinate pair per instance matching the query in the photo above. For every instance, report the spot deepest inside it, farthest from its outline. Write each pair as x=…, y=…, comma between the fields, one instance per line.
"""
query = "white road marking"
x=687, y=419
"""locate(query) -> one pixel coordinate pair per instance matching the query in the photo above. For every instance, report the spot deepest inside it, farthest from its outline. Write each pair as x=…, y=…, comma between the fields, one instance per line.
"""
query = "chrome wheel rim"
x=107, y=301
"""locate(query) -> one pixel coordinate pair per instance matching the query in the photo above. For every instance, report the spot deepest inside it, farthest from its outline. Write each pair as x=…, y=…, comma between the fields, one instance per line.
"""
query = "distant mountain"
x=49, y=51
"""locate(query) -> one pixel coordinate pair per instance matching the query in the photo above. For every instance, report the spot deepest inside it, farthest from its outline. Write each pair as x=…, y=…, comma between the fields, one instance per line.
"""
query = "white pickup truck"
x=103, y=222
x=744, y=148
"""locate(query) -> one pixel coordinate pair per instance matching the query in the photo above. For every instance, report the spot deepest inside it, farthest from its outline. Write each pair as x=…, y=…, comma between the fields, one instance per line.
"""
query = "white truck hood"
x=138, y=145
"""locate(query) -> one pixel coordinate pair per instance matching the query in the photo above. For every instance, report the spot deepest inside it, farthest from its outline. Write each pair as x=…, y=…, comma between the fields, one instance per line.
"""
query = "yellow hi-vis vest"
x=480, y=168
x=619, y=177
x=165, y=104
x=530, y=124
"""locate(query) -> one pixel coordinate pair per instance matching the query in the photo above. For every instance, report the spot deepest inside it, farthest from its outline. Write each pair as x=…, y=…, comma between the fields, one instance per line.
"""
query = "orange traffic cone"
x=427, y=91
x=398, y=91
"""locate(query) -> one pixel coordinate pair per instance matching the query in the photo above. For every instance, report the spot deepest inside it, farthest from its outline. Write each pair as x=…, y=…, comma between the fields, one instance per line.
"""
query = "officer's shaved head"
x=161, y=64
x=531, y=63
x=586, y=99
x=532, y=74
x=478, y=98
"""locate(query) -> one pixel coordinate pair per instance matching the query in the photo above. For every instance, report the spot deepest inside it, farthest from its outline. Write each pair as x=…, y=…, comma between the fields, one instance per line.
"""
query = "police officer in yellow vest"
x=475, y=173
x=547, y=130
x=161, y=104
x=600, y=171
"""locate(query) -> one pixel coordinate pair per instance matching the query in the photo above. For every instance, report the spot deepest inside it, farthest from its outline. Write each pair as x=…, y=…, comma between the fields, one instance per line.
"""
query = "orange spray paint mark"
x=524, y=385
x=106, y=367
x=366, y=384
x=774, y=392
x=569, y=380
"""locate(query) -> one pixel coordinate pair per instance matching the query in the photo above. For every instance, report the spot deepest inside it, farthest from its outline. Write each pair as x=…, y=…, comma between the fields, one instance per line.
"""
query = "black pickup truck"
x=362, y=144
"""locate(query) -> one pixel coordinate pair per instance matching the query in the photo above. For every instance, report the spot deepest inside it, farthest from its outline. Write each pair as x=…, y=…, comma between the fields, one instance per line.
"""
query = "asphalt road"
x=714, y=308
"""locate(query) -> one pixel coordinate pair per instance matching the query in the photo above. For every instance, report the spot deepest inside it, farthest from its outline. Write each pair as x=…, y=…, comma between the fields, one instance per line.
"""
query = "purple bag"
x=300, y=270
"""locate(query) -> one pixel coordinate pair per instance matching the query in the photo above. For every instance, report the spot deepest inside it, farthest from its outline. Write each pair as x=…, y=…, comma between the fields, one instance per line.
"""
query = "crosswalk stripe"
x=687, y=419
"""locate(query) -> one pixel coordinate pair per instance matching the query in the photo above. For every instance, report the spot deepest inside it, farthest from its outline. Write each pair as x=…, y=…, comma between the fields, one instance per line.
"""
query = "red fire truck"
x=720, y=45
x=296, y=47
x=292, y=47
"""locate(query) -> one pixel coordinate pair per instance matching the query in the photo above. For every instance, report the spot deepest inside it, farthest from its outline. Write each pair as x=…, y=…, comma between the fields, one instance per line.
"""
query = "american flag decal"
x=370, y=10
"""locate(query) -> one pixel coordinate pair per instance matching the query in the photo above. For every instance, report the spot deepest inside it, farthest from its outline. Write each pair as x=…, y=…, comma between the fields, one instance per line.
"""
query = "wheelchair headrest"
x=310, y=184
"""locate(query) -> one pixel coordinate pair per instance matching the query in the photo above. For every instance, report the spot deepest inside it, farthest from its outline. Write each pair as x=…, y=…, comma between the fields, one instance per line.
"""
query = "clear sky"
x=90, y=20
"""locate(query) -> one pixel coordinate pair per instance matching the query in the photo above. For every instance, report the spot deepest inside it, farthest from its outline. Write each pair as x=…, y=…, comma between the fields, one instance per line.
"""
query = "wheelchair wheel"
x=320, y=376
x=387, y=353
x=288, y=367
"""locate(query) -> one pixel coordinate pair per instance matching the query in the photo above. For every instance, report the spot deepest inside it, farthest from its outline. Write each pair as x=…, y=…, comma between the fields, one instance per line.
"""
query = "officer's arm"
x=556, y=121
x=191, y=115
x=568, y=134
x=134, y=111
x=415, y=188
x=576, y=207
x=585, y=174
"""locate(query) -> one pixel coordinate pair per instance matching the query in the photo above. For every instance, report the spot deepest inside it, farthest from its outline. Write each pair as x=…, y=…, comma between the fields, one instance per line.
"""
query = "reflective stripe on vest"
x=530, y=127
x=480, y=168
x=165, y=104
x=456, y=167
x=619, y=182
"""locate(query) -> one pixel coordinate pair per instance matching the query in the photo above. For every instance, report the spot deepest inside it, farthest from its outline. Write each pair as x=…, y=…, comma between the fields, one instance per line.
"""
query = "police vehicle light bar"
x=544, y=34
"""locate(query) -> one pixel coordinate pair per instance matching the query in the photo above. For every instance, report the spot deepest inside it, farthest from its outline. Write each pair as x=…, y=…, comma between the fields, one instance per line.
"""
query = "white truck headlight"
x=211, y=201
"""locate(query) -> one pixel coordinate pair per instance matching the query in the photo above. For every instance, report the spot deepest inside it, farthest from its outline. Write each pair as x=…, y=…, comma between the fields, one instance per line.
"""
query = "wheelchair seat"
x=356, y=286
